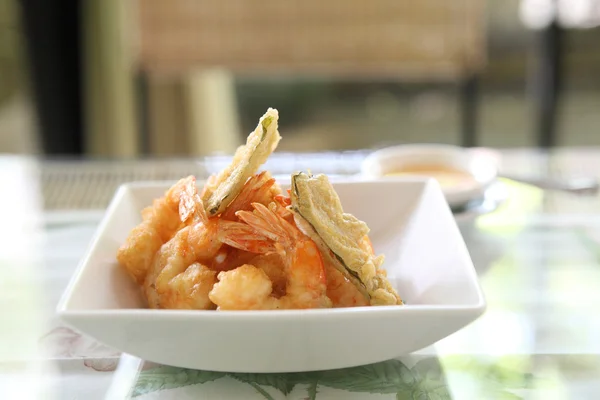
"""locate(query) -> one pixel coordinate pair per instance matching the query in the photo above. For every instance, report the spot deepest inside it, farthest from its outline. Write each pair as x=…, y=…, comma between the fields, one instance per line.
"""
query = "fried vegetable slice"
x=247, y=160
x=340, y=236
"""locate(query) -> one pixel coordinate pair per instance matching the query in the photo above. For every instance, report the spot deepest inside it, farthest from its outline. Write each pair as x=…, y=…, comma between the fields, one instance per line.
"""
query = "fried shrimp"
x=260, y=188
x=159, y=223
x=241, y=243
x=340, y=289
x=229, y=258
x=273, y=266
x=283, y=209
x=198, y=242
x=248, y=287
x=189, y=289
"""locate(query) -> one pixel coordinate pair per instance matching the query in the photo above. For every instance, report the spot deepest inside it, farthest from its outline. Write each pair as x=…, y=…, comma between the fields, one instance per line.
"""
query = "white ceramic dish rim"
x=64, y=309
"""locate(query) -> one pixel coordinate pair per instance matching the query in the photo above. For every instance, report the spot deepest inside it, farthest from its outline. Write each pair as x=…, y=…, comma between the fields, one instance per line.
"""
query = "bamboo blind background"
x=383, y=38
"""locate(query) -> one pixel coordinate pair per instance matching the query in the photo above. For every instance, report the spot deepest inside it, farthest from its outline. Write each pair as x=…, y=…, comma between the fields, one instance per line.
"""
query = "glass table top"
x=537, y=257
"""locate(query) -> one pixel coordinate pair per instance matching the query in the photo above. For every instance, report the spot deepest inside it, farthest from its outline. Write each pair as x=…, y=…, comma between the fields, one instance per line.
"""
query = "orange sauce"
x=446, y=176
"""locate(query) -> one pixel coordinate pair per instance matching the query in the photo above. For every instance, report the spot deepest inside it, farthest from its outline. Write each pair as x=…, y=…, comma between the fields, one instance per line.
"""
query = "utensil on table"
x=575, y=185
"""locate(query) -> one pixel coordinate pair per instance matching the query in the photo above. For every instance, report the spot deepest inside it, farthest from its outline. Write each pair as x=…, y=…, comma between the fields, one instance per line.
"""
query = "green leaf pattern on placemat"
x=277, y=381
x=389, y=377
x=161, y=378
x=385, y=377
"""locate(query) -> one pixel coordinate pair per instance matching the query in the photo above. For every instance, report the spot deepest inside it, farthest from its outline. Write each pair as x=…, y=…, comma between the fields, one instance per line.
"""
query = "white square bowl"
x=426, y=259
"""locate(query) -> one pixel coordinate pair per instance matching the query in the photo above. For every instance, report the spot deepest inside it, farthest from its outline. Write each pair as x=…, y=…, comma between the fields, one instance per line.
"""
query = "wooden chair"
x=190, y=50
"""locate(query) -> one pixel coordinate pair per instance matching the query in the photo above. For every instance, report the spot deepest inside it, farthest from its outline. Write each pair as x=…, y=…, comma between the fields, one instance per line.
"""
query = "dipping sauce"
x=447, y=176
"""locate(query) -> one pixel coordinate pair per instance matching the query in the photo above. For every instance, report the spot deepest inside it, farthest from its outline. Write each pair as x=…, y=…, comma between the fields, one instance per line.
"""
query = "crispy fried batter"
x=246, y=162
x=340, y=236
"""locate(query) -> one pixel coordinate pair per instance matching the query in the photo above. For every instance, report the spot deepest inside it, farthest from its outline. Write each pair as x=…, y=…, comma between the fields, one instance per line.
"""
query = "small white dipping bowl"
x=478, y=171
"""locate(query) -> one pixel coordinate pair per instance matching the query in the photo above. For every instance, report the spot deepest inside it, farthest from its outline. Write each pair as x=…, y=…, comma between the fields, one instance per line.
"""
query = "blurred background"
x=124, y=79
